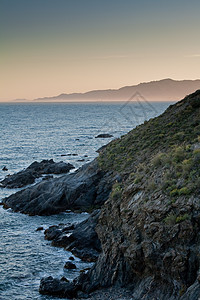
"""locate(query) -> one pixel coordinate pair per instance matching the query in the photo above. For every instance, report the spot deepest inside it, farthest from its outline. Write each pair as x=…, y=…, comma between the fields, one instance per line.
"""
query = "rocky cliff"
x=149, y=226
x=148, y=183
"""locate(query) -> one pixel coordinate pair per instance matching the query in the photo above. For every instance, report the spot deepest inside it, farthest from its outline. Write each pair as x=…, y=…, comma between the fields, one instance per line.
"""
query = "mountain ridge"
x=160, y=90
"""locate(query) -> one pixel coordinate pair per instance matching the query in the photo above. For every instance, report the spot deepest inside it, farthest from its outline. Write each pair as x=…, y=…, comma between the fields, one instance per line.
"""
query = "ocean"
x=35, y=131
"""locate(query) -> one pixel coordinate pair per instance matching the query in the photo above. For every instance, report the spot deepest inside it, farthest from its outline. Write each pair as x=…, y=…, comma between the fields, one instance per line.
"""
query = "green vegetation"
x=116, y=191
x=162, y=154
x=172, y=219
x=174, y=193
x=180, y=219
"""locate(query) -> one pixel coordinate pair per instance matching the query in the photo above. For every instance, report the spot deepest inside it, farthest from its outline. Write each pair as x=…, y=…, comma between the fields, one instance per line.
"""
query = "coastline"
x=135, y=183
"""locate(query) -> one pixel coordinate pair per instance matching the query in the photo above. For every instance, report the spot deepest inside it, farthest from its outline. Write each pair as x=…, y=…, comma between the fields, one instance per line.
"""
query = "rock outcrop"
x=56, y=287
x=149, y=227
x=35, y=170
x=83, y=190
x=80, y=239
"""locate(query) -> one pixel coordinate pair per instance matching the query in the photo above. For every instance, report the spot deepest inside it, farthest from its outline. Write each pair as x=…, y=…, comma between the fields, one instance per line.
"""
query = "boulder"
x=50, y=167
x=63, y=278
x=40, y=228
x=35, y=170
x=69, y=265
x=55, y=287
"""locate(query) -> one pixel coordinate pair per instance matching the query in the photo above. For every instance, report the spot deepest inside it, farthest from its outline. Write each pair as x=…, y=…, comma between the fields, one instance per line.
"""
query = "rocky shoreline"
x=144, y=232
x=80, y=239
x=83, y=190
x=34, y=171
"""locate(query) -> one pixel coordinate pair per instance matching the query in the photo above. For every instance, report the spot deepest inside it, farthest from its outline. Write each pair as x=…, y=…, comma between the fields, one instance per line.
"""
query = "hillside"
x=147, y=185
x=149, y=226
x=162, y=90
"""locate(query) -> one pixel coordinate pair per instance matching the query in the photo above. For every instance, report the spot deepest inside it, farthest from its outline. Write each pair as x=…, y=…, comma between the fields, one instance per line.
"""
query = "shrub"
x=192, y=175
x=178, y=174
x=182, y=218
x=170, y=219
x=187, y=165
x=132, y=175
x=196, y=152
x=138, y=179
x=174, y=192
x=179, y=154
x=188, y=147
x=140, y=167
x=196, y=156
x=179, y=136
x=151, y=186
x=116, y=191
x=184, y=191
x=178, y=168
x=195, y=103
x=167, y=183
x=159, y=159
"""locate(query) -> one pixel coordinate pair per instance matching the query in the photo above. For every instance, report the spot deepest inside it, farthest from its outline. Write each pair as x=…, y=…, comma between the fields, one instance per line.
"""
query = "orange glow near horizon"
x=55, y=47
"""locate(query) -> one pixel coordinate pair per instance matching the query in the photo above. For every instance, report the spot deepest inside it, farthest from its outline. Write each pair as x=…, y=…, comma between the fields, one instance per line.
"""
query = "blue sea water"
x=36, y=131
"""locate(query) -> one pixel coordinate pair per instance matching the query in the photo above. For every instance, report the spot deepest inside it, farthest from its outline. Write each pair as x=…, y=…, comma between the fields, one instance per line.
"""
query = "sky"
x=48, y=47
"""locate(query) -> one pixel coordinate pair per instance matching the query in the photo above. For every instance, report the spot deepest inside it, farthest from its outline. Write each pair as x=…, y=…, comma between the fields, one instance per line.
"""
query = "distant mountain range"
x=162, y=90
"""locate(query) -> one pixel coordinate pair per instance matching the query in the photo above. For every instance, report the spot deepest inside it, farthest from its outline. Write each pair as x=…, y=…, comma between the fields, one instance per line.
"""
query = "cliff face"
x=149, y=227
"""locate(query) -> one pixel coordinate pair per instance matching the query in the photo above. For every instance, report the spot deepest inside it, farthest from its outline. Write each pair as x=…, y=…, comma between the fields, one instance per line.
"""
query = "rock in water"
x=71, y=258
x=82, y=190
x=83, y=241
x=40, y=228
x=103, y=136
x=69, y=265
x=35, y=170
x=56, y=287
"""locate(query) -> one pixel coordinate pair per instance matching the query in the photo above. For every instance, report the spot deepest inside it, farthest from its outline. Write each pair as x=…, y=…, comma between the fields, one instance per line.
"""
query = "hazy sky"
x=48, y=47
